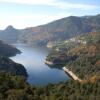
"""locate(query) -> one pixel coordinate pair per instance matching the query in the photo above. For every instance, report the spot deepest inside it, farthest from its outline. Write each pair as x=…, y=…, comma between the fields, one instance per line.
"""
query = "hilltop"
x=9, y=35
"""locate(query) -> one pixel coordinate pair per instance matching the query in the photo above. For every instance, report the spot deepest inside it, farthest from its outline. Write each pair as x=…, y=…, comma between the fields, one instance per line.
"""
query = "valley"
x=31, y=71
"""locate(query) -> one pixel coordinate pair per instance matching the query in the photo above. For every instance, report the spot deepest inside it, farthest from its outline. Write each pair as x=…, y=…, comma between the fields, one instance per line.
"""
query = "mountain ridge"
x=55, y=31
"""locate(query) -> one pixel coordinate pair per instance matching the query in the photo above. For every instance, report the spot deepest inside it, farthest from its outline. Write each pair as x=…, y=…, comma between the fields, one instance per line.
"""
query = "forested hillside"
x=16, y=88
x=6, y=64
x=80, y=55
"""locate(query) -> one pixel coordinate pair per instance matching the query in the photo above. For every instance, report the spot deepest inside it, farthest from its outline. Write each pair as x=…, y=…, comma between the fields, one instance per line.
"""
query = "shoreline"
x=48, y=63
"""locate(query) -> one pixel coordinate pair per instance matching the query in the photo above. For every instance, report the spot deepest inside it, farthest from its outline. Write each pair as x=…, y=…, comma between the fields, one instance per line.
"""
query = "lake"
x=38, y=72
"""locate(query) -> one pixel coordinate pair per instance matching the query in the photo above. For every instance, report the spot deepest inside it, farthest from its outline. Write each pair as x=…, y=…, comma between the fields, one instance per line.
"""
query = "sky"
x=30, y=13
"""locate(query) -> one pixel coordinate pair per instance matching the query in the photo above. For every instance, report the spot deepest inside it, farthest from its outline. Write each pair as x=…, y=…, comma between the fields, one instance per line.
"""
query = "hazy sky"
x=27, y=13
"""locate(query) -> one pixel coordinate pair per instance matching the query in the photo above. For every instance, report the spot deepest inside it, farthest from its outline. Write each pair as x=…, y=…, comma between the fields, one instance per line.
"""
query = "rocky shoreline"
x=49, y=63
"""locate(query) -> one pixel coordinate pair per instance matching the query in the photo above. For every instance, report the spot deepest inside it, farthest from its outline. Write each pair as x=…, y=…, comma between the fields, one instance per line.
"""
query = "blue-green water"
x=33, y=60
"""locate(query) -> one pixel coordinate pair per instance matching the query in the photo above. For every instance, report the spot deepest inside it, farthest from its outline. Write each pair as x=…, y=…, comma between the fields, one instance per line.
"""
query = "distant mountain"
x=62, y=29
x=53, y=32
x=10, y=34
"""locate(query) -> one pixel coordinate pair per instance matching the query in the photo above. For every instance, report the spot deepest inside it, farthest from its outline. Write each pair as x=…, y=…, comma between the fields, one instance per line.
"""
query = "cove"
x=38, y=72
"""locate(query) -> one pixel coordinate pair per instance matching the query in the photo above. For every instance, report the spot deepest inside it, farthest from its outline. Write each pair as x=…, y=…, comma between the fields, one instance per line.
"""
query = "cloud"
x=34, y=19
x=67, y=5
x=30, y=2
x=54, y=3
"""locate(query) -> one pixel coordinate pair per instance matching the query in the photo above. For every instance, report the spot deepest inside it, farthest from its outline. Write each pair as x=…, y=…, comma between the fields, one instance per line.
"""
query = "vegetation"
x=82, y=59
x=7, y=64
x=11, y=67
x=16, y=88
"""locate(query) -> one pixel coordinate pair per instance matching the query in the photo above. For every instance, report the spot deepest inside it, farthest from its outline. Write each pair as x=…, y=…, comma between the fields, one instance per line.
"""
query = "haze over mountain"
x=8, y=50
x=10, y=34
x=52, y=32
